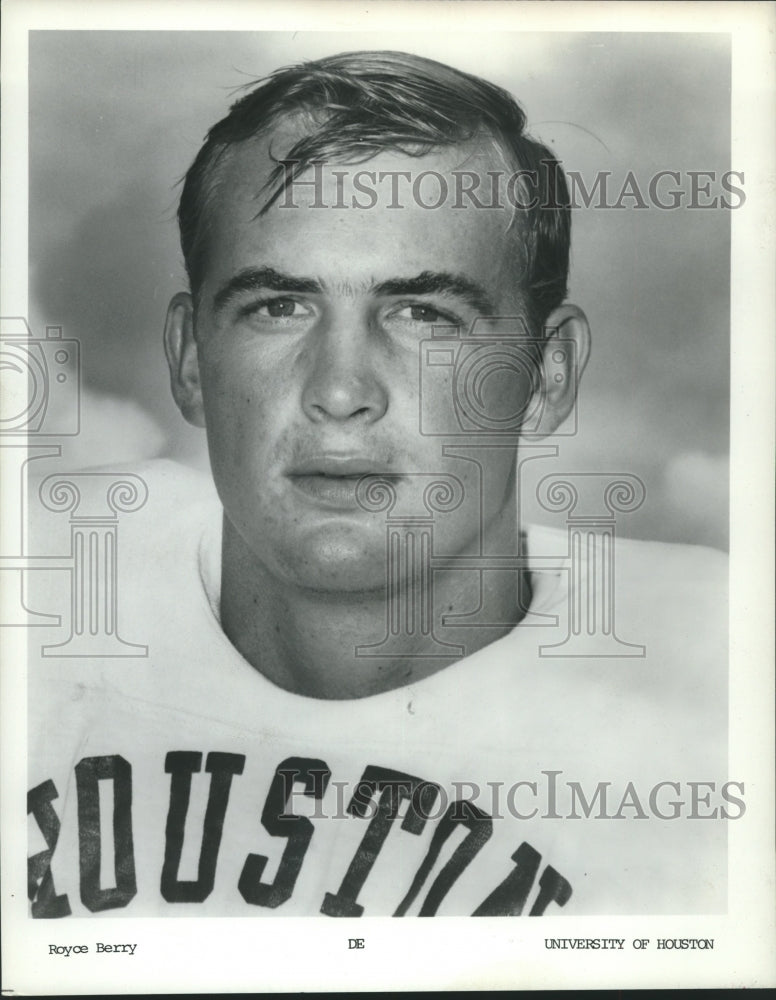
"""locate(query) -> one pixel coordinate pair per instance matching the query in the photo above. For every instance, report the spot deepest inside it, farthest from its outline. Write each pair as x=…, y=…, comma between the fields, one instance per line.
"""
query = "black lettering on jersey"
x=553, y=888
x=88, y=772
x=480, y=827
x=298, y=829
x=181, y=764
x=394, y=787
x=508, y=899
x=40, y=883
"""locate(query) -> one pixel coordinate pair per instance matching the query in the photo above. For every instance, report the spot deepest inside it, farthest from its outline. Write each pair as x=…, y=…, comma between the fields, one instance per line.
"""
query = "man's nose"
x=343, y=382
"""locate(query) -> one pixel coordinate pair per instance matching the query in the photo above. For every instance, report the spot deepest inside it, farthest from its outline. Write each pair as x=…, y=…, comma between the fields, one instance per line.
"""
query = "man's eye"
x=422, y=314
x=281, y=308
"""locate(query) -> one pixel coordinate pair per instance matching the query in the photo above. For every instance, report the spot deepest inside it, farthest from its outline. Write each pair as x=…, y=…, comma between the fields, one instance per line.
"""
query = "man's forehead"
x=248, y=166
x=325, y=225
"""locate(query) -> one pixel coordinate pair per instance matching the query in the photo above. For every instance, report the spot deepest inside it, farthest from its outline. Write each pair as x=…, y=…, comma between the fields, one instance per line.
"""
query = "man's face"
x=308, y=326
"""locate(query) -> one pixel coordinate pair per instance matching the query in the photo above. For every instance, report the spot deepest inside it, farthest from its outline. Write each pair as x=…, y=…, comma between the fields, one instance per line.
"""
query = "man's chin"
x=341, y=579
x=340, y=558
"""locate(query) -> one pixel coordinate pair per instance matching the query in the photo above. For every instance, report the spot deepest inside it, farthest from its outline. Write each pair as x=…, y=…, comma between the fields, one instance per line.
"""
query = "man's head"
x=299, y=348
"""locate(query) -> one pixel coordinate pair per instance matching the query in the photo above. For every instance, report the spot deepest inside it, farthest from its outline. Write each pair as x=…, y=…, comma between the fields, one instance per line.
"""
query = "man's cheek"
x=237, y=442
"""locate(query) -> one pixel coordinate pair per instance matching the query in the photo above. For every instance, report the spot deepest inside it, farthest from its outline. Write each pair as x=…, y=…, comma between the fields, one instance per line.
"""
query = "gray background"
x=116, y=118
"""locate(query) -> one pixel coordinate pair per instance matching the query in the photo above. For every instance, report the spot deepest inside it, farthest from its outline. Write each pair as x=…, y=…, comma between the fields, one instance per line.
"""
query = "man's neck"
x=330, y=645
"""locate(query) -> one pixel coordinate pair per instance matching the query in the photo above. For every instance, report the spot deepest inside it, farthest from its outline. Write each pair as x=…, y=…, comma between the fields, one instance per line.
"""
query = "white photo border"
x=230, y=955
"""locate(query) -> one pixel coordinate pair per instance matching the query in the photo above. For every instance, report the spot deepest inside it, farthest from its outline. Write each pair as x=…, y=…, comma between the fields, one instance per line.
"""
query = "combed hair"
x=361, y=103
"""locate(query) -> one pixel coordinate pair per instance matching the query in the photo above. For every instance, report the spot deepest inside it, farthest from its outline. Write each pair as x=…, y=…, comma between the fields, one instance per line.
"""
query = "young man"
x=360, y=694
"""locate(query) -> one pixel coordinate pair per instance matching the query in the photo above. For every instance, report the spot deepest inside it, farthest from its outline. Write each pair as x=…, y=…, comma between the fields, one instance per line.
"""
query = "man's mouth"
x=331, y=479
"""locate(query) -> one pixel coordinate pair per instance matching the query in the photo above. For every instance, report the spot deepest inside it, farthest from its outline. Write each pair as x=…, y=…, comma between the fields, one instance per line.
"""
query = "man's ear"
x=180, y=346
x=565, y=351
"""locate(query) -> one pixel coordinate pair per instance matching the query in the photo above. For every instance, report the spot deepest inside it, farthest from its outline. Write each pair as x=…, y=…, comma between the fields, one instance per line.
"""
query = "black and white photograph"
x=387, y=405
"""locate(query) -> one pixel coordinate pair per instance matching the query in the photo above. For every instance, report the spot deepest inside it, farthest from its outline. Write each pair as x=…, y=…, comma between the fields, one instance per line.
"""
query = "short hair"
x=361, y=103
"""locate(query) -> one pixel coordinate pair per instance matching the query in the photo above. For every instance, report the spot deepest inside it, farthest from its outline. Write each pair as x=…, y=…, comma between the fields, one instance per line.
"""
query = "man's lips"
x=340, y=466
x=331, y=479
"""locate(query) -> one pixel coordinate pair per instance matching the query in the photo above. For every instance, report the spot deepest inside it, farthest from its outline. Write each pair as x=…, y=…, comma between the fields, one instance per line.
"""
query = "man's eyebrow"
x=254, y=279
x=436, y=283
